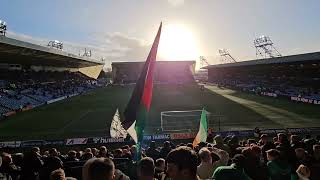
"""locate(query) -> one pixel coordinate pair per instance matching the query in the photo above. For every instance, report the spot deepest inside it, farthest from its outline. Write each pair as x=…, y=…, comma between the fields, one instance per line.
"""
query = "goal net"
x=186, y=121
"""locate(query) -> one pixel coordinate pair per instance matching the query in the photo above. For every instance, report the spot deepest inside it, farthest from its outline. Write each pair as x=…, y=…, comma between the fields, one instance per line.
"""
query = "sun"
x=177, y=43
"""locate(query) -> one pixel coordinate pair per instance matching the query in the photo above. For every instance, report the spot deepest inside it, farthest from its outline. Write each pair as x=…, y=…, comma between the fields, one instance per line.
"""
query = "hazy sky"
x=124, y=29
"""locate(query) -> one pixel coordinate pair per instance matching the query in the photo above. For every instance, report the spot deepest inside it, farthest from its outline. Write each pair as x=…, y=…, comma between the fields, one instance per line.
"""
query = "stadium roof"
x=14, y=51
x=299, y=58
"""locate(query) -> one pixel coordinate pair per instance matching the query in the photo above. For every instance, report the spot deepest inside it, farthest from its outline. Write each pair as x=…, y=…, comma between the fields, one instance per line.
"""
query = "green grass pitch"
x=91, y=114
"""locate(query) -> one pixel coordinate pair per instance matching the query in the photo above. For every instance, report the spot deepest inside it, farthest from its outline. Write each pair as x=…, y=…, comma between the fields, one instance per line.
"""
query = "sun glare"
x=177, y=43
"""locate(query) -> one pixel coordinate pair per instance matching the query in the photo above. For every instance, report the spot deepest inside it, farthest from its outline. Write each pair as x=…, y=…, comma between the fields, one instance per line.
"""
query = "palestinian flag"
x=203, y=129
x=135, y=114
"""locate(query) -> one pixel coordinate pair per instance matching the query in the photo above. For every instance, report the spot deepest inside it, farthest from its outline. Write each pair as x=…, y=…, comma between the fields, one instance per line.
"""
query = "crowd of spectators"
x=281, y=86
x=268, y=158
x=284, y=79
x=27, y=89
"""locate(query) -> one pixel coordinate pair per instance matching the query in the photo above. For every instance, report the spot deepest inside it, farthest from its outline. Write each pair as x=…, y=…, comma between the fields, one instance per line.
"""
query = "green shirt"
x=279, y=170
x=229, y=173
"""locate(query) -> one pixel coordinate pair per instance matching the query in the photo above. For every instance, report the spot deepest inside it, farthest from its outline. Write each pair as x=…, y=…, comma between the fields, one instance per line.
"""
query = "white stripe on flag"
x=116, y=129
x=132, y=132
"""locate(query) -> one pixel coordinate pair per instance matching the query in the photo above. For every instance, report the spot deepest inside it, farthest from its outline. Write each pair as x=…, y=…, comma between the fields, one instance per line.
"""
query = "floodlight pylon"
x=3, y=28
x=55, y=44
x=265, y=48
x=226, y=56
x=203, y=61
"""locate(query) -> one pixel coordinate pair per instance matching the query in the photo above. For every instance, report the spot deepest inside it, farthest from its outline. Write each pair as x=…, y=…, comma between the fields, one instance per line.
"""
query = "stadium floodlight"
x=226, y=56
x=264, y=47
x=87, y=53
x=56, y=44
x=3, y=28
x=203, y=61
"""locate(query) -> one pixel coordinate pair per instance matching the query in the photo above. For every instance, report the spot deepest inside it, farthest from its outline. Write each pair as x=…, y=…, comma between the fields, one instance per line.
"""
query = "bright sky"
x=124, y=30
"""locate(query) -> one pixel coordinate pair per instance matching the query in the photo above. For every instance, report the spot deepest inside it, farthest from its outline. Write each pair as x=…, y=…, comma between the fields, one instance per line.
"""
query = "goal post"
x=187, y=121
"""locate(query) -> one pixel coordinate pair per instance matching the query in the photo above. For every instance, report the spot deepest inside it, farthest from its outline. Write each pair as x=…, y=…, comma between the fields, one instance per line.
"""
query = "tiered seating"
x=279, y=85
x=21, y=89
x=41, y=98
x=10, y=103
x=28, y=100
x=3, y=110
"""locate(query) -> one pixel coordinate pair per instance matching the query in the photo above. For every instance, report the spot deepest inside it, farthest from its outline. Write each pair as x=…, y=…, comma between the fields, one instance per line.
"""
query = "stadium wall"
x=175, y=137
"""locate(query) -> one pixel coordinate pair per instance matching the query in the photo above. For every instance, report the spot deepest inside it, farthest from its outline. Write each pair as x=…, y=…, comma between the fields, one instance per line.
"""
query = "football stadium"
x=63, y=116
x=265, y=93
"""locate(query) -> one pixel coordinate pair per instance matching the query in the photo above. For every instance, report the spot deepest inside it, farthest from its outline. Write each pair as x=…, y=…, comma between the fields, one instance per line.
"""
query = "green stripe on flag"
x=203, y=129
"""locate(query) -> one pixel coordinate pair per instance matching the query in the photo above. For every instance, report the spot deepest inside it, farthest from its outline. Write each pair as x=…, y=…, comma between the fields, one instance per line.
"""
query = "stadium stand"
x=32, y=75
x=292, y=77
x=22, y=89
x=3, y=110
x=172, y=72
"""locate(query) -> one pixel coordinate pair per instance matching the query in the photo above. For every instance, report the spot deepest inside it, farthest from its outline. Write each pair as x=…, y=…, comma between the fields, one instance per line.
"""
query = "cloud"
x=110, y=46
x=176, y=2
x=121, y=46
